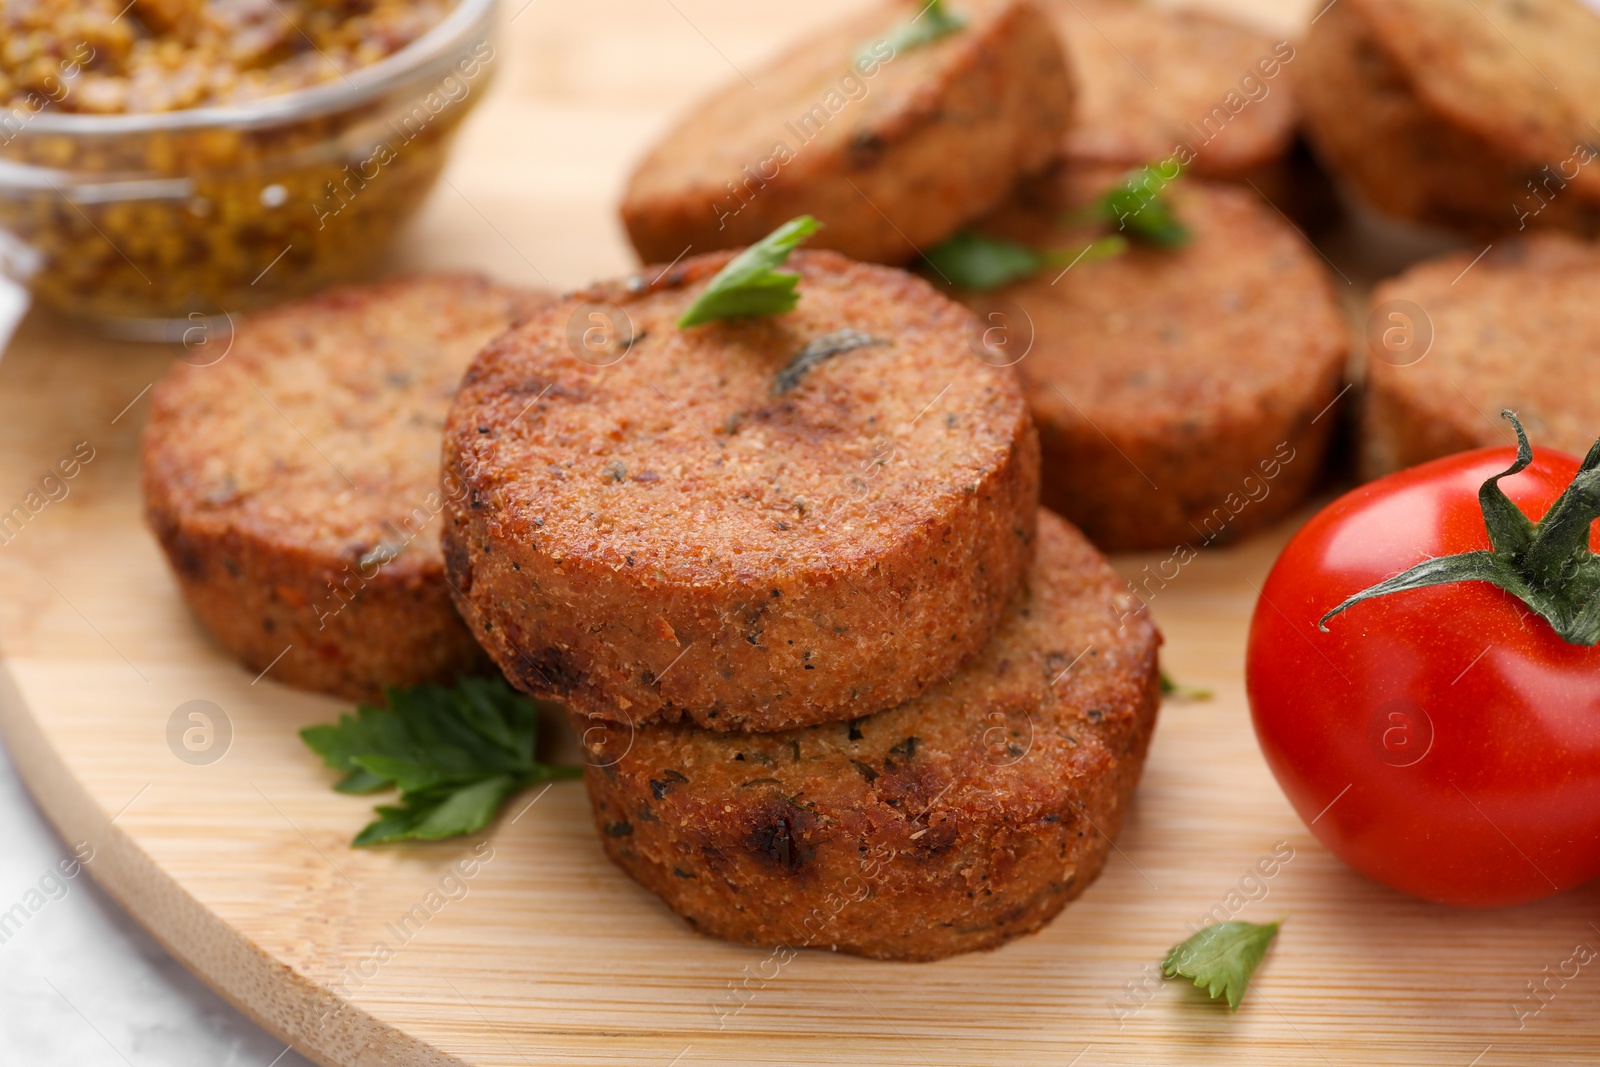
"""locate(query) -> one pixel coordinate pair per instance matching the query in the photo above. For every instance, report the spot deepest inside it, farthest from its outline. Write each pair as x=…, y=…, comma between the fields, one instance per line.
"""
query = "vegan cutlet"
x=1452, y=343
x=1155, y=83
x=294, y=483
x=754, y=524
x=1177, y=391
x=1476, y=116
x=957, y=821
x=891, y=146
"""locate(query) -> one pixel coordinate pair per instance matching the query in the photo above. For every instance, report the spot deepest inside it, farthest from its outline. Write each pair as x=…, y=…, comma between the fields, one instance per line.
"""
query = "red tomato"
x=1444, y=741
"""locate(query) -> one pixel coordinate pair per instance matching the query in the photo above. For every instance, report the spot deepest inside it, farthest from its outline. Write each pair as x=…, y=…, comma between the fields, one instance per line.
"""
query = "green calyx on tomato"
x=1546, y=564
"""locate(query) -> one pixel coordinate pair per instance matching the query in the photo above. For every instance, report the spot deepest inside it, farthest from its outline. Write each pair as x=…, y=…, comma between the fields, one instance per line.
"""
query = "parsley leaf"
x=933, y=22
x=1221, y=958
x=455, y=753
x=976, y=261
x=1135, y=205
x=1179, y=691
x=749, y=284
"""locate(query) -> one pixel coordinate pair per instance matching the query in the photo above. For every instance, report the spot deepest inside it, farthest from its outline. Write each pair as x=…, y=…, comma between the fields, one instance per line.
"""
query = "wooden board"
x=549, y=955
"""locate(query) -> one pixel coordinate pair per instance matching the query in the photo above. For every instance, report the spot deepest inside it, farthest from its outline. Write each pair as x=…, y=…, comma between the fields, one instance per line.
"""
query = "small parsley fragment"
x=979, y=262
x=454, y=752
x=1221, y=958
x=818, y=351
x=1136, y=206
x=976, y=261
x=750, y=284
x=932, y=23
x=1178, y=691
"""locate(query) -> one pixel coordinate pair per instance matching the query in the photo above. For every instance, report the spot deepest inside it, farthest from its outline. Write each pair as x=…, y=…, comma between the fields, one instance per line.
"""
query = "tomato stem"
x=1546, y=564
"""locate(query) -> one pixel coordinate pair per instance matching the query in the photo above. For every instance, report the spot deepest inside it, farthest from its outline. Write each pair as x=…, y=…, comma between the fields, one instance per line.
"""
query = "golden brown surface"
x=675, y=534
x=1154, y=83
x=1476, y=116
x=1174, y=391
x=1515, y=331
x=955, y=822
x=294, y=483
x=891, y=161
x=165, y=55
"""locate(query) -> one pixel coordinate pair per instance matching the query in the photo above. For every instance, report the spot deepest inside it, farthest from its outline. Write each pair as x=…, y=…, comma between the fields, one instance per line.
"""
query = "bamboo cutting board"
x=523, y=946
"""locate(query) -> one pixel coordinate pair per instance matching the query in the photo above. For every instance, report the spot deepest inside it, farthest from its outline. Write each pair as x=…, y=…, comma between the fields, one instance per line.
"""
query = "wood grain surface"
x=548, y=955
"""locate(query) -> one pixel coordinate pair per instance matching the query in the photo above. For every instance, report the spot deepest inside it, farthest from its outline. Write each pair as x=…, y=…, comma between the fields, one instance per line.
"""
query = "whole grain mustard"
x=154, y=219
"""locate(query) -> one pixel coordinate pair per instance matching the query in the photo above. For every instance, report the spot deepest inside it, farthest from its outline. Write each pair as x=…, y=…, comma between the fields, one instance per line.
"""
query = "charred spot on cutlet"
x=819, y=350
x=550, y=668
x=458, y=564
x=865, y=771
x=659, y=787
x=777, y=836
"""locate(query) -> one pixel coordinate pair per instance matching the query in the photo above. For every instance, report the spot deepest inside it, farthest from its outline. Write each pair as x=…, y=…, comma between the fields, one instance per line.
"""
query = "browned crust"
x=1177, y=393
x=940, y=135
x=1519, y=74
x=1156, y=82
x=261, y=600
x=956, y=822
x=1385, y=91
x=666, y=537
x=1509, y=331
x=277, y=479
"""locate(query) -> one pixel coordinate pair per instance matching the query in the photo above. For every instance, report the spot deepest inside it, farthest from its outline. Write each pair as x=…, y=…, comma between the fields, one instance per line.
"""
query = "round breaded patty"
x=1448, y=351
x=1472, y=115
x=954, y=822
x=1155, y=83
x=890, y=149
x=755, y=524
x=294, y=483
x=1176, y=392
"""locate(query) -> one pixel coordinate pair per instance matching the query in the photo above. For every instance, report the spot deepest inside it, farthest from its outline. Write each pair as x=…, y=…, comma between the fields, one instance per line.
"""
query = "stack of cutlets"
x=1477, y=117
x=839, y=680
x=1179, y=389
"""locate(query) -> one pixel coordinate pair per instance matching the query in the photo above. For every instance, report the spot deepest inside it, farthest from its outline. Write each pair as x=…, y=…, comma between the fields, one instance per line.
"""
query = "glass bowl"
x=147, y=224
